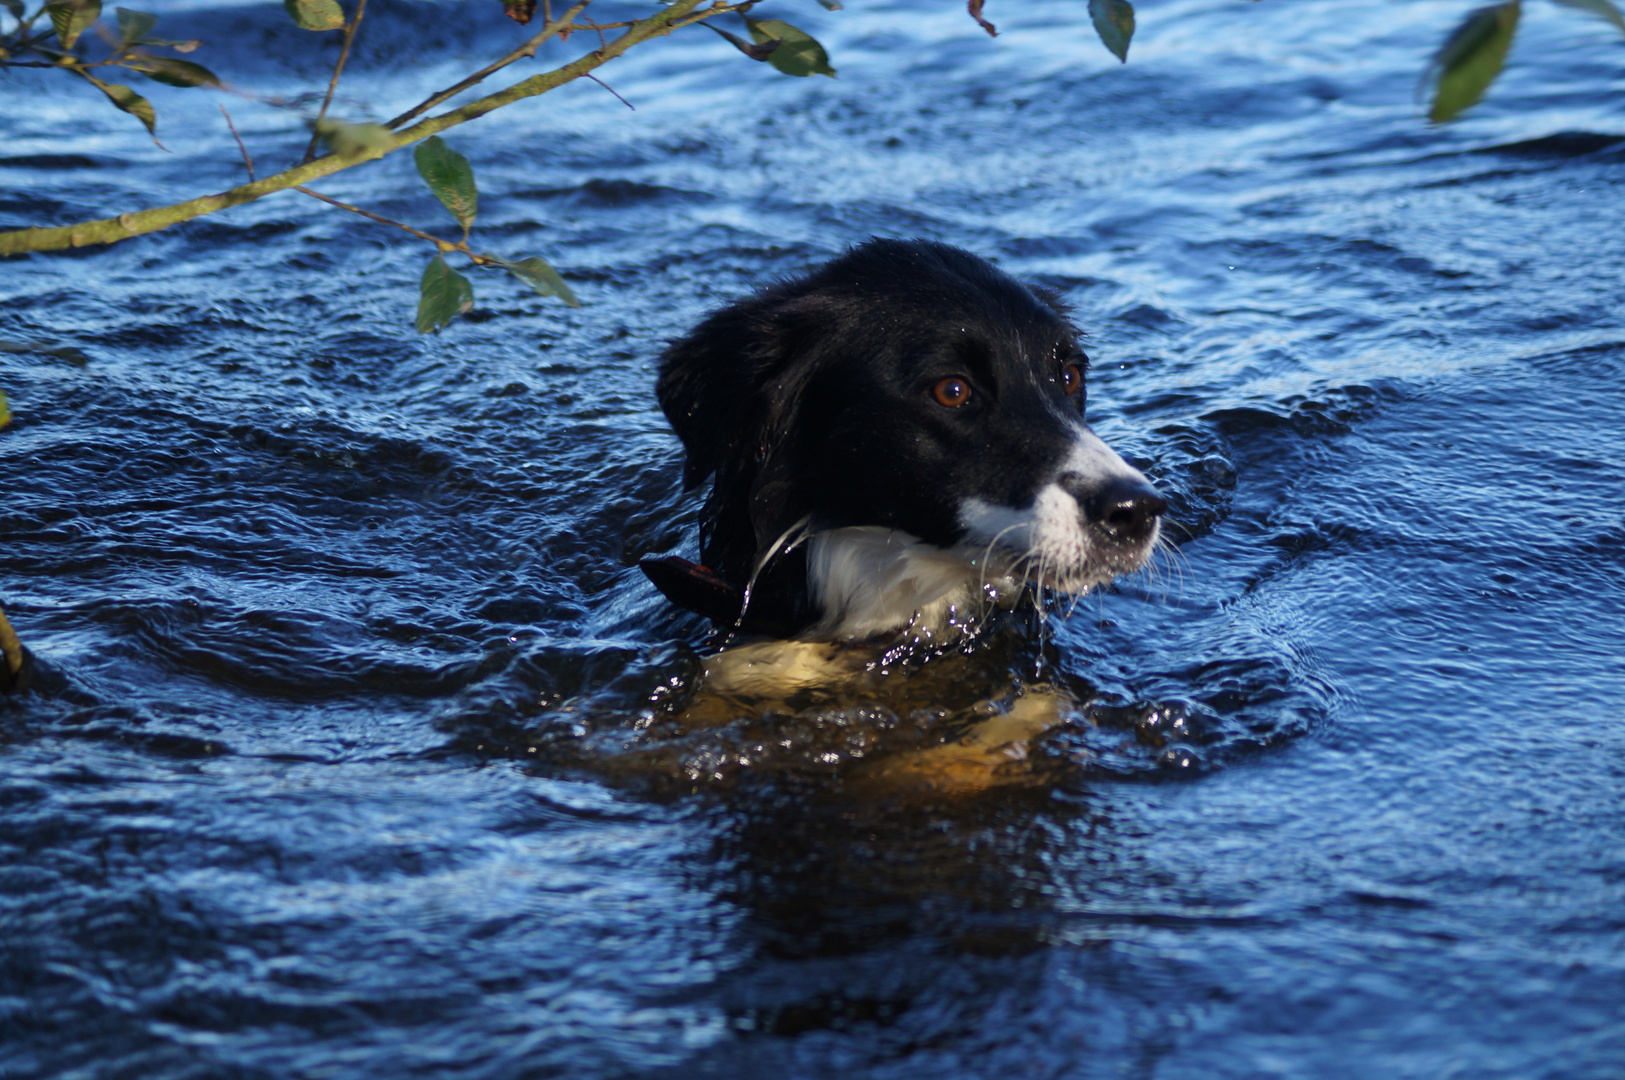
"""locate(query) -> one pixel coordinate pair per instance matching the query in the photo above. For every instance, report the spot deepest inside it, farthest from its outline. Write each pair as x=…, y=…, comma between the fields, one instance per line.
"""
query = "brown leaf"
x=520, y=11
x=975, y=9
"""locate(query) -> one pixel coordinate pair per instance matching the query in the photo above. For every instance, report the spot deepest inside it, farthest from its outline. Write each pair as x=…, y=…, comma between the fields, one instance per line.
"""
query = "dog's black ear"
x=731, y=390
x=707, y=388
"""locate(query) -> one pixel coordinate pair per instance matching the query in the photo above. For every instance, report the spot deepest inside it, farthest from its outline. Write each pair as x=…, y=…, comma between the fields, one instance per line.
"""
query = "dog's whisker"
x=1177, y=562
x=1077, y=598
x=1169, y=522
x=987, y=553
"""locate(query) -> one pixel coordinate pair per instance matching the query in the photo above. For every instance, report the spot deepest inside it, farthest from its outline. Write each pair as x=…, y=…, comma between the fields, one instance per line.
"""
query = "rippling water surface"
x=351, y=751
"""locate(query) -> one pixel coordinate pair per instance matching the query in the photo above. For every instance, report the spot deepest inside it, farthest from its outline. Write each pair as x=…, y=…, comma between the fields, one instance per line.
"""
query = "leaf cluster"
x=56, y=35
x=73, y=37
x=443, y=293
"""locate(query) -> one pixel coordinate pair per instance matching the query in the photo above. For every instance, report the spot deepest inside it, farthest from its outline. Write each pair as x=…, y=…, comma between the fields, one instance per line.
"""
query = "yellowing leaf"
x=351, y=140
x=450, y=177
x=315, y=14
x=125, y=98
x=172, y=72
x=70, y=18
x=1114, y=22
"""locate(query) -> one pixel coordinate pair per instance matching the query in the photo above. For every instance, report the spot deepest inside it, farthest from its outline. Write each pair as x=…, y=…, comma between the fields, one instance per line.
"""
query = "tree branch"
x=125, y=226
x=527, y=49
x=443, y=245
x=247, y=161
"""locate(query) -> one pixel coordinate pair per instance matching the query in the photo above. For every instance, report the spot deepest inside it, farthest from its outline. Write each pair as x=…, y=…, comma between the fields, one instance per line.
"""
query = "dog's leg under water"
x=994, y=753
x=993, y=750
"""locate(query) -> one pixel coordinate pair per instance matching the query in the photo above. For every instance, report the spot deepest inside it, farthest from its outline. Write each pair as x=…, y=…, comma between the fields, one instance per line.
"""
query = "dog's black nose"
x=1126, y=510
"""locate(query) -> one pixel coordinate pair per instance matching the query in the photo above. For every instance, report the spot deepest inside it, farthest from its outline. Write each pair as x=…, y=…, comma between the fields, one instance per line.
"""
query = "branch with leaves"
x=56, y=36
x=60, y=39
x=444, y=292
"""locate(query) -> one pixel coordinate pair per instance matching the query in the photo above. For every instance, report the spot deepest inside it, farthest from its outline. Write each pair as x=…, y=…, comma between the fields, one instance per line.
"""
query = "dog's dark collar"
x=697, y=588
x=703, y=591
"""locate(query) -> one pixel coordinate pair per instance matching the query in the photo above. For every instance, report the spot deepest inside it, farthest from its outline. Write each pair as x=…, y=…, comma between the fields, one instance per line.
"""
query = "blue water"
x=335, y=622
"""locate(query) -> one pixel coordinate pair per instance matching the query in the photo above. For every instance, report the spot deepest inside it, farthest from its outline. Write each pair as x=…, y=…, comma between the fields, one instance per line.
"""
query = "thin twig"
x=333, y=83
x=528, y=49
x=718, y=8
x=602, y=43
x=710, y=12
x=443, y=245
x=611, y=89
x=248, y=161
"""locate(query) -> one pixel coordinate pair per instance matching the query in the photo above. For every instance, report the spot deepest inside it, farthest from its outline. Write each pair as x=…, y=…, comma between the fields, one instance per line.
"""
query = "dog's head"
x=908, y=387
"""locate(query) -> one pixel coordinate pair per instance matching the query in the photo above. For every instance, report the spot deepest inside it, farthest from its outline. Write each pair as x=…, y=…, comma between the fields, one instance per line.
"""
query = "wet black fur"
x=812, y=399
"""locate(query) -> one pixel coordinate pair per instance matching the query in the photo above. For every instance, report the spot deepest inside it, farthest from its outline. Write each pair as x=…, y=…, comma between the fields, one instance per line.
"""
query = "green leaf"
x=172, y=72
x=134, y=26
x=1471, y=58
x=450, y=177
x=1114, y=22
x=72, y=18
x=350, y=140
x=1603, y=8
x=798, y=53
x=125, y=98
x=443, y=295
x=15, y=7
x=542, y=277
x=315, y=14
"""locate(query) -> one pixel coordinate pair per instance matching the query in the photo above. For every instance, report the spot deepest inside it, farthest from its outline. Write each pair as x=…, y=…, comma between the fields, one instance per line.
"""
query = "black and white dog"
x=888, y=437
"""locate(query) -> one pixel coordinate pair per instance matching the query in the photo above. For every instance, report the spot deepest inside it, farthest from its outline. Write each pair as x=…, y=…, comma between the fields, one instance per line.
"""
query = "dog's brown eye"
x=951, y=392
x=1072, y=378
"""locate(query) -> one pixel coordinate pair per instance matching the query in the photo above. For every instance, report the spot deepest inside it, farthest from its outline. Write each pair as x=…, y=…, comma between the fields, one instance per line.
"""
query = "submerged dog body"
x=889, y=436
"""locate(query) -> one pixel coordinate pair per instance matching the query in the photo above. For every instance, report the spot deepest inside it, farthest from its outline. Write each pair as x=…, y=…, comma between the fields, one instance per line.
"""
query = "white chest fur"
x=869, y=580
